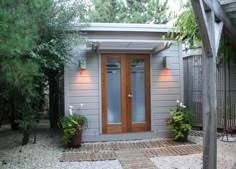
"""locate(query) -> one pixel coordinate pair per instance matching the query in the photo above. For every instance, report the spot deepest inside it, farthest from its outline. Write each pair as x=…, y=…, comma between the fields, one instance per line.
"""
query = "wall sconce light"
x=82, y=62
x=164, y=62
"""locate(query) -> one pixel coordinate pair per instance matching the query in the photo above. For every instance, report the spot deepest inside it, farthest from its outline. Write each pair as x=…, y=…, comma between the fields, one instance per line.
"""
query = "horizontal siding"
x=77, y=99
x=166, y=87
x=165, y=97
x=166, y=78
x=160, y=116
x=166, y=73
x=83, y=88
x=165, y=91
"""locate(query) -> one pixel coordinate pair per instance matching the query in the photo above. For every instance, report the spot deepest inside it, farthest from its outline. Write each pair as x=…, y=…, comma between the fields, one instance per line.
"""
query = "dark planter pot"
x=76, y=140
x=26, y=136
x=183, y=139
x=15, y=125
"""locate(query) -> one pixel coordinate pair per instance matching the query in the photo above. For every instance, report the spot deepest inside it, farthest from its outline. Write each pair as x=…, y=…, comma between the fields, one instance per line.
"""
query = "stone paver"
x=88, y=156
x=234, y=167
x=131, y=154
x=172, y=151
x=115, y=146
x=134, y=159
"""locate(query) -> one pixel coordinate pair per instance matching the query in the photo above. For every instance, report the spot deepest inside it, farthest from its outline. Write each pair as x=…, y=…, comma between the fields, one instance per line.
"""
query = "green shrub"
x=70, y=124
x=179, y=121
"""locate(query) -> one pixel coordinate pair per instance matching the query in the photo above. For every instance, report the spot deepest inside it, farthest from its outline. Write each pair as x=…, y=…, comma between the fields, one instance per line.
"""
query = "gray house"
x=127, y=80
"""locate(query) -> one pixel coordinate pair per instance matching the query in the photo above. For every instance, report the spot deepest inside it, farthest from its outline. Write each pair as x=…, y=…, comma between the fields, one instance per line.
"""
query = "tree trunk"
x=14, y=124
x=53, y=98
x=25, y=140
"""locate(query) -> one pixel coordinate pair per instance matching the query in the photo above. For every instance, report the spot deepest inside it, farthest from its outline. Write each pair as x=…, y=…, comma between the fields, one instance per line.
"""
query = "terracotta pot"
x=76, y=140
x=183, y=139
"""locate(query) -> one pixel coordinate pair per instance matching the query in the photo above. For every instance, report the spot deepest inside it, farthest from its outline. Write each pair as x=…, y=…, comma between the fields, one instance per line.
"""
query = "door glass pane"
x=113, y=91
x=138, y=90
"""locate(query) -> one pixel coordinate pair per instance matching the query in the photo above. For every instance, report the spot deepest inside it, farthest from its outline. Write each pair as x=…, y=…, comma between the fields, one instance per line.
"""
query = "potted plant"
x=179, y=122
x=72, y=128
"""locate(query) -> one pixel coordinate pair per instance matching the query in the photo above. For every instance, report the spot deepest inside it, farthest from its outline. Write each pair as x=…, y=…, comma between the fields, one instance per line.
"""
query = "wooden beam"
x=209, y=101
x=226, y=2
x=206, y=21
x=220, y=14
x=159, y=48
x=218, y=31
x=229, y=7
x=232, y=15
x=199, y=11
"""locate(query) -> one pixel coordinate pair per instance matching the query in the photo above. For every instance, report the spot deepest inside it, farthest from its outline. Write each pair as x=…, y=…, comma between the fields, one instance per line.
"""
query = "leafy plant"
x=180, y=121
x=70, y=125
x=186, y=28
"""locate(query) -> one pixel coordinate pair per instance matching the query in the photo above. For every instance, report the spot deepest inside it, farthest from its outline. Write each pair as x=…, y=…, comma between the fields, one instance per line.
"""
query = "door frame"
x=126, y=115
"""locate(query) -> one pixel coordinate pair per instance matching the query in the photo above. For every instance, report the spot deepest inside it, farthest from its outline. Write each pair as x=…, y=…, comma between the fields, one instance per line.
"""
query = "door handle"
x=130, y=95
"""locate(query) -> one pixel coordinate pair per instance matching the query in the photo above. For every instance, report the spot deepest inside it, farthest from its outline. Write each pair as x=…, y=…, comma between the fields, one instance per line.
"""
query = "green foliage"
x=19, y=33
x=70, y=124
x=34, y=40
x=180, y=121
x=53, y=50
x=129, y=11
x=27, y=121
x=20, y=85
x=186, y=27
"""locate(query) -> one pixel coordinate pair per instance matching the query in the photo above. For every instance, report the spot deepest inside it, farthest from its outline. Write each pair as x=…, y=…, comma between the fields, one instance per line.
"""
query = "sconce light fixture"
x=164, y=62
x=82, y=62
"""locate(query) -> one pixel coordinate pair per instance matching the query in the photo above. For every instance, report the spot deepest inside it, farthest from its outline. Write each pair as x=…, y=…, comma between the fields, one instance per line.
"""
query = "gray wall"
x=85, y=88
x=166, y=86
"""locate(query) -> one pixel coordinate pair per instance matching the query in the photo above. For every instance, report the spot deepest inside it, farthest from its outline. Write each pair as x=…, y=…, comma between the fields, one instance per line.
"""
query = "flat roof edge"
x=114, y=27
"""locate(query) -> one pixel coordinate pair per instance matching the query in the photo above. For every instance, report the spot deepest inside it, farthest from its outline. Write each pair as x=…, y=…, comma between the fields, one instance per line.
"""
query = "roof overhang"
x=144, y=46
x=120, y=27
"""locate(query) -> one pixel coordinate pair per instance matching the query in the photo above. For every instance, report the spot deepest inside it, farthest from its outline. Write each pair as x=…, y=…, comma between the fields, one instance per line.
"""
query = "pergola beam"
x=159, y=48
x=215, y=6
x=210, y=31
x=201, y=17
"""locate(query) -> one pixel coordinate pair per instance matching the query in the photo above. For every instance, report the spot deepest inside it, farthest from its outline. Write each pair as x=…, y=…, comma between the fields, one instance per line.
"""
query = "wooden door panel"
x=145, y=125
x=126, y=124
x=106, y=126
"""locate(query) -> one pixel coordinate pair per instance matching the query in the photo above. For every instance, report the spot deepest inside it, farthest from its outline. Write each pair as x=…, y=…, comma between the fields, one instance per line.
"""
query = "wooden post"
x=209, y=31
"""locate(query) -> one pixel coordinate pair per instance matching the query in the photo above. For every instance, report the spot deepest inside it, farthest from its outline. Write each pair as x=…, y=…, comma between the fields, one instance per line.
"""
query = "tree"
x=129, y=11
x=34, y=48
x=18, y=36
x=54, y=50
x=187, y=28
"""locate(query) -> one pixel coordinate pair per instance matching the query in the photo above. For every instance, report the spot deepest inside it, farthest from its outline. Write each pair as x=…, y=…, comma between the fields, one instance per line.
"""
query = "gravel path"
x=46, y=153
x=43, y=155
x=226, y=157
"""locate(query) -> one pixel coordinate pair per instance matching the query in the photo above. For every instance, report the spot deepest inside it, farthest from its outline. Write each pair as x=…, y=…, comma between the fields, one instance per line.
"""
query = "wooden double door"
x=125, y=93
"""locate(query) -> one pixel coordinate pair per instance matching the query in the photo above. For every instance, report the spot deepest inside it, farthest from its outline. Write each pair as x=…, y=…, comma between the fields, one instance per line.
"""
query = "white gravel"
x=226, y=157
x=193, y=161
x=46, y=153
x=43, y=155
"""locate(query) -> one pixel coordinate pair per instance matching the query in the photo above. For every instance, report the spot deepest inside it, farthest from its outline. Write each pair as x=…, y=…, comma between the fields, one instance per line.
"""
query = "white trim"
x=66, y=89
x=121, y=27
x=100, y=93
x=181, y=69
x=152, y=46
x=151, y=91
x=130, y=40
x=121, y=50
x=192, y=52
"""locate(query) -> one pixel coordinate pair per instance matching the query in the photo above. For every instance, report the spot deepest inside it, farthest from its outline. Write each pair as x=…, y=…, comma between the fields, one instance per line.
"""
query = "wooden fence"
x=226, y=90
